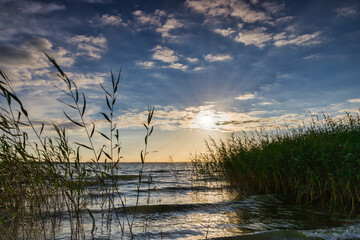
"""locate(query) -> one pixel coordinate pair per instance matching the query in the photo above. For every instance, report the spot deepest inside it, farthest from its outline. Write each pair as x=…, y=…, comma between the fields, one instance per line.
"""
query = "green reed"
x=314, y=164
x=43, y=176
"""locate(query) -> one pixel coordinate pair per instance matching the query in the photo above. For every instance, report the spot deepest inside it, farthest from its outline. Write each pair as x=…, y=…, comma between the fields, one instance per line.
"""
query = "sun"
x=206, y=120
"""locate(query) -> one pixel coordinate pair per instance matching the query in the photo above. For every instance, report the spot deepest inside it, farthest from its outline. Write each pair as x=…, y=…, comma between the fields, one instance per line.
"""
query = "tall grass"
x=314, y=164
x=42, y=179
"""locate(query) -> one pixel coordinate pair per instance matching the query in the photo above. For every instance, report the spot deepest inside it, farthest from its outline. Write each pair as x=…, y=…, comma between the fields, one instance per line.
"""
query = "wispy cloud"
x=199, y=69
x=145, y=64
x=178, y=66
x=149, y=18
x=346, y=11
x=283, y=39
x=169, y=25
x=265, y=103
x=89, y=45
x=192, y=60
x=112, y=20
x=38, y=7
x=224, y=32
x=246, y=96
x=160, y=21
x=355, y=100
x=243, y=10
x=167, y=55
x=258, y=37
x=273, y=7
x=227, y=8
x=312, y=56
x=218, y=57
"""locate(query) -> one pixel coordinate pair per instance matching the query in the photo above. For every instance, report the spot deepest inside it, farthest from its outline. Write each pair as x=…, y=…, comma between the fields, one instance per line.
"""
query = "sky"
x=209, y=67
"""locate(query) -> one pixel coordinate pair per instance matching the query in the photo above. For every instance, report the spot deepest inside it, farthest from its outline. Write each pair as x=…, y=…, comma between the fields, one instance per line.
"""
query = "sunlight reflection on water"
x=183, y=207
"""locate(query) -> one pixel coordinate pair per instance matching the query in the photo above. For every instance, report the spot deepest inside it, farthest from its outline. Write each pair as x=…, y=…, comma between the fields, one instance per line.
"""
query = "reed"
x=43, y=181
x=314, y=164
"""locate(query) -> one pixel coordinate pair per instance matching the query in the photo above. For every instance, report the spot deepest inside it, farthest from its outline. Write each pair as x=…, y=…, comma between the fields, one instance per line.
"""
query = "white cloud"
x=355, y=100
x=346, y=11
x=164, y=54
x=113, y=20
x=246, y=96
x=169, y=25
x=312, y=56
x=90, y=45
x=199, y=69
x=284, y=39
x=218, y=57
x=211, y=8
x=257, y=37
x=148, y=18
x=226, y=8
x=284, y=19
x=273, y=7
x=145, y=64
x=26, y=60
x=179, y=66
x=224, y=32
x=88, y=80
x=265, y=103
x=162, y=22
x=242, y=10
x=192, y=60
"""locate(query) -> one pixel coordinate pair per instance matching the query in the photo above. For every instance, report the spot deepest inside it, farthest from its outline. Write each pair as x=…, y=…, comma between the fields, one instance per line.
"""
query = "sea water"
x=174, y=203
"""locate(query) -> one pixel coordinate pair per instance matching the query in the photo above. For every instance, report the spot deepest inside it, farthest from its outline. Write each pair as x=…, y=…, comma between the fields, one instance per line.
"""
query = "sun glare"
x=207, y=120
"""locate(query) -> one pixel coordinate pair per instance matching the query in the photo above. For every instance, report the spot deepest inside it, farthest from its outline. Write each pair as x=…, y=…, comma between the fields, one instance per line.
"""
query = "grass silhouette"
x=315, y=164
x=42, y=179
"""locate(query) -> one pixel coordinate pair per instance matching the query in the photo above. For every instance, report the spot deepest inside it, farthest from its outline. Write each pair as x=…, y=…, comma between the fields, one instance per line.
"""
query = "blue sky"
x=210, y=67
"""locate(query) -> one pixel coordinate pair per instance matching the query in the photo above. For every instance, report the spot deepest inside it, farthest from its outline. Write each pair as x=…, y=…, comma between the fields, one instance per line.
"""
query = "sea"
x=173, y=202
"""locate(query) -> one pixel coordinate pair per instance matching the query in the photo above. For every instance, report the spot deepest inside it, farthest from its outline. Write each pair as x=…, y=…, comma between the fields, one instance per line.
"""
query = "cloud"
x=346, y=11
x=164, y=54
x=283, y=39
x=113, y=20
x=247, y=96
x=37, y=7
x=224, y=32
x=273, y=7
x=89, y=45
x=207, y=118
x=148, y=18
x=284, y=19
x=169, y=25
x=88, y=80
x=145, y=64
x=26, y=60
x=355, y=100
x=226, y=8
x=209, y=8
x=192, y=60
x=242, y=10
x=162, y=22
x=178, y=66
x=265, y=103
x=257, y=37
x=218, y=57
x=312, y=56
x=199, y=69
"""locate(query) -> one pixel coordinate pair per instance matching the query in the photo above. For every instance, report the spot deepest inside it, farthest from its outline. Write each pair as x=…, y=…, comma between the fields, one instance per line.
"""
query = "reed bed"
x=314, y=164
x=43, y=181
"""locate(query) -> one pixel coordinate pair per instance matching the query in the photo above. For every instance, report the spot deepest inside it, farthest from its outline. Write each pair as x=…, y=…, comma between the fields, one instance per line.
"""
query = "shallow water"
x=184, y=207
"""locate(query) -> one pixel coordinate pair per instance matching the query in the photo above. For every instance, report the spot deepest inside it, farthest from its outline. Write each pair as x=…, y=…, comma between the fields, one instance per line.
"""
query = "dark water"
x=182, y=206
